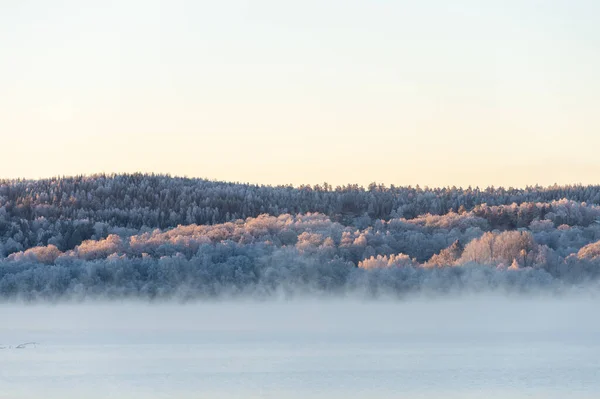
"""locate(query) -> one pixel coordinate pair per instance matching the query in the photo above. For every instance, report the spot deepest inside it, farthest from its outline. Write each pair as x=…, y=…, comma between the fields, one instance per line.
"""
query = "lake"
x=475, y=347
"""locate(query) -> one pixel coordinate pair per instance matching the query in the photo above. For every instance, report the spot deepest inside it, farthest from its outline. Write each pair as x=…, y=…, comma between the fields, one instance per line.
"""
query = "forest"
x=162, y=237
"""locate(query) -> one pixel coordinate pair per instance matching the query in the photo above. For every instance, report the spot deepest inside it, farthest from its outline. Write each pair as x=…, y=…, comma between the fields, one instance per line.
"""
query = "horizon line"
x=300, y=186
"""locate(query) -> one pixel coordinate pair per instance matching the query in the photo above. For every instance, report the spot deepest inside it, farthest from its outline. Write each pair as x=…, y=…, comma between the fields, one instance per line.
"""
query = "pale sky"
x=429, y=92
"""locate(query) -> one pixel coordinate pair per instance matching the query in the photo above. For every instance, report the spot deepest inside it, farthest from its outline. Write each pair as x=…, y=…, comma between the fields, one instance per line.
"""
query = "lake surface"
x=460, y=348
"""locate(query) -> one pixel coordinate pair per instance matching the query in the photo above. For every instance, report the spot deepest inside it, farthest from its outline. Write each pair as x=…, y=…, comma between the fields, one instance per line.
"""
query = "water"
x=467, y=348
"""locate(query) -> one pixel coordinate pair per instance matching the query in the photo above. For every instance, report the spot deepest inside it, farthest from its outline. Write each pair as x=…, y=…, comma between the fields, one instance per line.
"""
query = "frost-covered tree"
x=157, y=236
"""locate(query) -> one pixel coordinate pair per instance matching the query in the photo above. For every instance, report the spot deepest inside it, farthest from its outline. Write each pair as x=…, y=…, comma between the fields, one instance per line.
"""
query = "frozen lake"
x=467, y=348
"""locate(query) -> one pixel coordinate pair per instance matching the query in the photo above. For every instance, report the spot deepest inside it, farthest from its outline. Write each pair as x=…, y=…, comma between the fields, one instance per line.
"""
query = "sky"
x=428, y=92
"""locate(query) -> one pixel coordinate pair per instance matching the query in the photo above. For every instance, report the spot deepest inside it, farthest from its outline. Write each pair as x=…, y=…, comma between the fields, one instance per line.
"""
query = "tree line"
x=138, y=235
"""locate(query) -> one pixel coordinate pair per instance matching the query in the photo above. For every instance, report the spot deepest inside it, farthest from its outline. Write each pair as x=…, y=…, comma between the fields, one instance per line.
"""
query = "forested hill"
x=161, y=236
x=71, y=209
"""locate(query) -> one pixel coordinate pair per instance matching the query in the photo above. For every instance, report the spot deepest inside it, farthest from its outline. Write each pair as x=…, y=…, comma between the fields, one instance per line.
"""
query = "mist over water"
x=129, y=280
x=470, y=346
x=151, y=286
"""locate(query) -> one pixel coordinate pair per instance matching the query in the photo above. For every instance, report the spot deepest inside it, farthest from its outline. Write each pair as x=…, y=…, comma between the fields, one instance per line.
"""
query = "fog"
x=458, y=346
x=477, y=313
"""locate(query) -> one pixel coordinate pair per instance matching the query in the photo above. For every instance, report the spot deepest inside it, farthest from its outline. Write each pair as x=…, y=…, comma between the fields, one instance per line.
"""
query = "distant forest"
x=162, y=237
